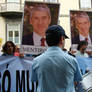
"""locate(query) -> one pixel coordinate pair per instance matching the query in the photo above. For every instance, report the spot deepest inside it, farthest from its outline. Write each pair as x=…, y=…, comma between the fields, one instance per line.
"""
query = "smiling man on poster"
x=40, y=19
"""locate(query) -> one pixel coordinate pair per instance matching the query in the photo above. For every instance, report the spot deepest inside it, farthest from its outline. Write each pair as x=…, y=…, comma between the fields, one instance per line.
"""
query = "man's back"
x=55, y=71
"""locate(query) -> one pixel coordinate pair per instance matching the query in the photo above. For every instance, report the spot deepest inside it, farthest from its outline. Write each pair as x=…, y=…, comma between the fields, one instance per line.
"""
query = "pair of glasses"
x=84, y=49
x=8, y=46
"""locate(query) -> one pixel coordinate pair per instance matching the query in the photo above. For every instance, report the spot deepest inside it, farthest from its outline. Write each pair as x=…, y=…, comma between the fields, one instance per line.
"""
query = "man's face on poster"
x=40, y=21
x=83, y=25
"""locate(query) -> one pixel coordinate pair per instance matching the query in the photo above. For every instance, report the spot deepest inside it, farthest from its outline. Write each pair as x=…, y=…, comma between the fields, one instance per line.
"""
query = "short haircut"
x=81, y=14
x=40, y=7
x=4, y=48
x=81, y=44
x=54, y=34
x=53, y=40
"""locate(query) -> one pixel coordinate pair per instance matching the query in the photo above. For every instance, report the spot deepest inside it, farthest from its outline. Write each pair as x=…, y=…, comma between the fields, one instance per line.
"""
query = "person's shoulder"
x=37, y=59
x=70, y=58
x=86, y=55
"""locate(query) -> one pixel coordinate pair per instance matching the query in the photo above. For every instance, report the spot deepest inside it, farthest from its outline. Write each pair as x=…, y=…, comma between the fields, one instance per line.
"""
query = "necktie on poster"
x=43, y=41
x=86, y=39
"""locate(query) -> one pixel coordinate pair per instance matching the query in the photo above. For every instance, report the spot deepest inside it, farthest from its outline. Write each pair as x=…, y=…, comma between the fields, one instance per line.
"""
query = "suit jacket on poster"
x=28, y=39
x=76, y=40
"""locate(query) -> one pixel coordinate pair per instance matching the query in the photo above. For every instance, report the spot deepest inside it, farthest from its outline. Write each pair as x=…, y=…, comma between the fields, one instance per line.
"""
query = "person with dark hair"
x=55, y=70
x=82, y=49
x=40, y=19
x=8, y=48
x=17, y=51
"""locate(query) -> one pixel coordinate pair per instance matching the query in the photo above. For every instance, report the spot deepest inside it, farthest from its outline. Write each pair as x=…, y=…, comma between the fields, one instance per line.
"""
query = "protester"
x=8, y=48
x=71, y=52
x=55, y=70
x=81, y=49
x=17, y=52
x=65, y=50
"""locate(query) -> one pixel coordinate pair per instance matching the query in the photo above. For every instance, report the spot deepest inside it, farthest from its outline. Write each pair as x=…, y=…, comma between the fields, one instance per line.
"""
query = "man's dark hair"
x=52, y=39
x=54, y=34
x=81, y=44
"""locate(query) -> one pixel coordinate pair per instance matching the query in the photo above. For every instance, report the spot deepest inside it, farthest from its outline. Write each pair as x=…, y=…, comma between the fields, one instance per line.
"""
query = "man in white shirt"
x=82, y=23
x=40, y=19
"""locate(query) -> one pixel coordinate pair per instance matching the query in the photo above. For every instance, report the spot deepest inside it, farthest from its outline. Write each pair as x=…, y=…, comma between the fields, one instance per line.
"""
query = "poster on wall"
x=37, y=17
x=81, y=29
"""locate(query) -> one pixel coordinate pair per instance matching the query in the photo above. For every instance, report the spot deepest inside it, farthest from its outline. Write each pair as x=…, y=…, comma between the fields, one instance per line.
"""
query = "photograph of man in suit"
x=40, y=19
x=82, y=31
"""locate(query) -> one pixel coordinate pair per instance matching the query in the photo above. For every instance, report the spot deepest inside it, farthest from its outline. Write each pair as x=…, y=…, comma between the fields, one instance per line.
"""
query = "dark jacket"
x=28, y=39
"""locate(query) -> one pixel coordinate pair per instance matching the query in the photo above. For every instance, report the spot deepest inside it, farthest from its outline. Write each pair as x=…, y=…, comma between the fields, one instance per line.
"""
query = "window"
x=13, y=1
x=13, y=32
x=85, y=4
x=52, y=1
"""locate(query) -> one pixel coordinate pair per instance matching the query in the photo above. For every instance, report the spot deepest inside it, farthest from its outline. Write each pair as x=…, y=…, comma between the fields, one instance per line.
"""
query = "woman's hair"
x=4, y=48
x=81, y=44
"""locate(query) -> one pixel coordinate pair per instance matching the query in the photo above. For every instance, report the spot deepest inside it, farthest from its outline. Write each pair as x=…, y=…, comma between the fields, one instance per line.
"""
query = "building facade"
x=11, y=12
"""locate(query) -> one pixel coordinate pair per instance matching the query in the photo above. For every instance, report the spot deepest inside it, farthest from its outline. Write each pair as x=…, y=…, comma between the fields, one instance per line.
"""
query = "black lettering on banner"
x=20, y=83
x=6, y=74
x=29, y=90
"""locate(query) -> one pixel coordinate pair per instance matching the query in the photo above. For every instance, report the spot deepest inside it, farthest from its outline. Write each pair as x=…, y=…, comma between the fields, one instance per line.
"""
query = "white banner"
x=15, y=75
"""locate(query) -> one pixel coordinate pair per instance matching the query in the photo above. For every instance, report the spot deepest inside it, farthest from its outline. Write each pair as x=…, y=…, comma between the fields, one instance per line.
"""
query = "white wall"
x=65, y=7
x=2, y=29
x=2, y=1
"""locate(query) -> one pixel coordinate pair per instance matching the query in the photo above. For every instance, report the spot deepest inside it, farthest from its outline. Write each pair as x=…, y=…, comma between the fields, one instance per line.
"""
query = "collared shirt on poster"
x=83, y=38
x=37, y=39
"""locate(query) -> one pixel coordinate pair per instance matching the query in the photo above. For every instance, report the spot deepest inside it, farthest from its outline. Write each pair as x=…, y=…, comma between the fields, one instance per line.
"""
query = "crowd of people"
x=50, y=65
x=9, y=48
x=55, y=70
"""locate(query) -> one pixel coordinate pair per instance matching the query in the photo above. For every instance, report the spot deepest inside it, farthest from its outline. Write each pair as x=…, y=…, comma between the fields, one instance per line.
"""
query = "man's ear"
x=61, y=39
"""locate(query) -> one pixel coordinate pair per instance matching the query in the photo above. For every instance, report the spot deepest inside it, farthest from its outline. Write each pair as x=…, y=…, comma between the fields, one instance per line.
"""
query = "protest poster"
x=81, y=29
x=37, y=17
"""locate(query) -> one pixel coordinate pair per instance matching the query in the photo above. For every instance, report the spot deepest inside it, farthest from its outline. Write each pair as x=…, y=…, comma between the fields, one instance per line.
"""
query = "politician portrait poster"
x=37, y=17
x=81, y=29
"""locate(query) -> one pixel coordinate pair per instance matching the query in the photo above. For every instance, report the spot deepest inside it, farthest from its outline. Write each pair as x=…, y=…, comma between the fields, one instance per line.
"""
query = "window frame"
x=51, y=1
x=12, y=29
x=13, y=1
x=84, y=7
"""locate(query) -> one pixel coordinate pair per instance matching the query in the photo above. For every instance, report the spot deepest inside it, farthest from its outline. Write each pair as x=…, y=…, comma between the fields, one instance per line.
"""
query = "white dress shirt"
x=37, y=39
x=83, y=38
x=78, y=53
